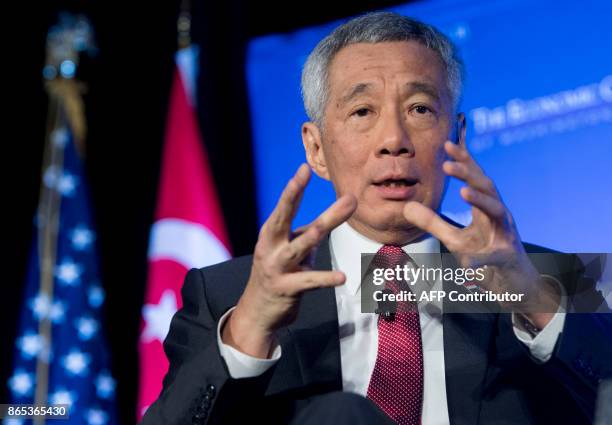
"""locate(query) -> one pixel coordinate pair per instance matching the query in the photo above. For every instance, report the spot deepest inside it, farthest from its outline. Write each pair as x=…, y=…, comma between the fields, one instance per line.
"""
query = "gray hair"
x=375, y=27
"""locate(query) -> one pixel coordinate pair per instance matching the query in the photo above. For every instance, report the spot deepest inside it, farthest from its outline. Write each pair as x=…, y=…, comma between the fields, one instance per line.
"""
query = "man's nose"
x=395, y=138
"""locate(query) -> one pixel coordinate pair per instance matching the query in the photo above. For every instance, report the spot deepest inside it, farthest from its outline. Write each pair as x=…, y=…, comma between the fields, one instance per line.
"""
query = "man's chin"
x=392, y=229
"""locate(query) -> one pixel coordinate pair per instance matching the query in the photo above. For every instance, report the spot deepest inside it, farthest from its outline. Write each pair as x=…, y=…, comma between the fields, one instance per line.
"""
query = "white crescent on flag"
x=185, y=242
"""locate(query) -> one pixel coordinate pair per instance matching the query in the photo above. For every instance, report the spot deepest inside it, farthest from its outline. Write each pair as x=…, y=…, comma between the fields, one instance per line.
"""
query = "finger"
x=465, y=167
x=489, y=205
x=472, y=176
x=460, y=154
x=298, y=231
x=426, y=219
x=456, y=151
x=279, y=222
x=295, y=283
x=332, y=217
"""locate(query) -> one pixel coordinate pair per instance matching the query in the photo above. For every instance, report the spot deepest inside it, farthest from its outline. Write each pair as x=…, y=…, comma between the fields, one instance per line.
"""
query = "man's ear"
x=460, y=130
x=311, y=138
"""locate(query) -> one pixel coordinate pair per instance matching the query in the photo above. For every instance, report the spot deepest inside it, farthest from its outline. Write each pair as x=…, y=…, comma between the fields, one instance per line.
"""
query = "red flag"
x=188, y=230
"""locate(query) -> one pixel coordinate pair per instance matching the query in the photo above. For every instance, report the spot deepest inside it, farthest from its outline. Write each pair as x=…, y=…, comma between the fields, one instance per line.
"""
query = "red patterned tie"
x=396, y=384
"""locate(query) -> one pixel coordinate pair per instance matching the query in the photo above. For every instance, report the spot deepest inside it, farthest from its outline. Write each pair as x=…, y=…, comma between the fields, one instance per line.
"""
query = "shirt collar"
x=347, y=245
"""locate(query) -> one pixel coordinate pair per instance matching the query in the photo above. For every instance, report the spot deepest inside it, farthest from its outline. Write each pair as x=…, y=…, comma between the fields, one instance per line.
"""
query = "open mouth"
x=396, y=189
x=396, y=183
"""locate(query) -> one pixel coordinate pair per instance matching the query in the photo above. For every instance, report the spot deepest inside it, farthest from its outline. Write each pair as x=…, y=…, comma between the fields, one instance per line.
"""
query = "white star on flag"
x=96, y=417
x=21, y=383
x=95, y=295
x=68, y=273
x=57, y=311
x=87, y=327
x=30, y=344
x=81, y=238
x=62, y=396
x=76, y=362
x=157, y=317
x=43, y=308
x=40, y=306
x=66, y=184
x=105, y=385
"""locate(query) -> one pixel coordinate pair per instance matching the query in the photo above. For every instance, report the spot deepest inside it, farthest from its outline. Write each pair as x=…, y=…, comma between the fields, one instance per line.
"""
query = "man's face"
x=388, y=115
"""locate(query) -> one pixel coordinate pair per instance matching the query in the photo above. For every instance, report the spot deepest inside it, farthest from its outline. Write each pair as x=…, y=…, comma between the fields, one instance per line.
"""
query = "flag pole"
x=48, y=223
x=64, y=42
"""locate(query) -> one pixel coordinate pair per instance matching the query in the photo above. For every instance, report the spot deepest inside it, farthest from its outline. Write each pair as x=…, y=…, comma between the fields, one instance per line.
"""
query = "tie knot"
x=389, y=256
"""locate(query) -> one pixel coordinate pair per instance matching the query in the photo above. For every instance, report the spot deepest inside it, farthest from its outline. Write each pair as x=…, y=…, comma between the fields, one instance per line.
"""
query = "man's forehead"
x=358, y=68
x=410, y=51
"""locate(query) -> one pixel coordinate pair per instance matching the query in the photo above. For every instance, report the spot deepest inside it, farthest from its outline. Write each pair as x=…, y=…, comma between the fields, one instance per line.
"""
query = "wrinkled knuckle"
x=290, y=253
x=275, y=220
x=317, y=229
x=282, y=292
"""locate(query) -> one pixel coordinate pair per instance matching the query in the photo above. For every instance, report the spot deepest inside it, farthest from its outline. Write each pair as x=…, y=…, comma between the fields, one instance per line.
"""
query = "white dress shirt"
x=359, y=331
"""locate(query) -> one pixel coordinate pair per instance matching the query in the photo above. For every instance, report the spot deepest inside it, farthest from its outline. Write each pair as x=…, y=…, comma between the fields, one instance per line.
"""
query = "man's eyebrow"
x=413, y=88
x=426, y=88
x=354, y=91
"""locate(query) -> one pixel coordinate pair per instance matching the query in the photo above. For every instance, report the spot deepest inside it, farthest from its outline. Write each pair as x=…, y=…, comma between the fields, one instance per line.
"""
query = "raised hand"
x=491, y=239
x=280, y=272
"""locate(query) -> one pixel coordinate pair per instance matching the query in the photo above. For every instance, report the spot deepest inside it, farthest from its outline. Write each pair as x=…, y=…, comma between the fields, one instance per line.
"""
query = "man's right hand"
x=280, y=274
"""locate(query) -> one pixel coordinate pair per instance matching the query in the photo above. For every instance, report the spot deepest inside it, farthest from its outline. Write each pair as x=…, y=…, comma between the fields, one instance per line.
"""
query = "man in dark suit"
x=278, y=337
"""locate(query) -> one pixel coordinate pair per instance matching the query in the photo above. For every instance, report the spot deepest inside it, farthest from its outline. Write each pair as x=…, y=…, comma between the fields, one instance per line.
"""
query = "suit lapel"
x=467, y=348
x=311, y=345
x=310, y=362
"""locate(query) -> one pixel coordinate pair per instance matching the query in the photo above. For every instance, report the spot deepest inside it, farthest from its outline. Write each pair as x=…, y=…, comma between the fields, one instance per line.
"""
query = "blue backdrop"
x=538, y=98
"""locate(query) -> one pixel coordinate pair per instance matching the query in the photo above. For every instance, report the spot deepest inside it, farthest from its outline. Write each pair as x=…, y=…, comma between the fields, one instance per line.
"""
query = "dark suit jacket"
x=490, y=376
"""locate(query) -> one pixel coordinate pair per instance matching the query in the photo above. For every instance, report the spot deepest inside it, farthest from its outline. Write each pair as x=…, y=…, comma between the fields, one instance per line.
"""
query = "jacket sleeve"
x=581, y=357
x=197, y=387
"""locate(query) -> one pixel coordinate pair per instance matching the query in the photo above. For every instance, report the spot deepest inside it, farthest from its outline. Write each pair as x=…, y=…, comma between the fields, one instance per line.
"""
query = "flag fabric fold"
x=188, y=229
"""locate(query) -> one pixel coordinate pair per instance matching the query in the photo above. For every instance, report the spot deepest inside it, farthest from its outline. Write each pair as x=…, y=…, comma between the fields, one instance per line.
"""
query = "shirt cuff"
x=542, y=345
x=242, y=365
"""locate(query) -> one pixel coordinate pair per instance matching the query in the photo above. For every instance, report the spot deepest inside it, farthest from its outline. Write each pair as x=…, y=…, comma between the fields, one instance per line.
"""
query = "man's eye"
x=421, y=109
x=361, y=112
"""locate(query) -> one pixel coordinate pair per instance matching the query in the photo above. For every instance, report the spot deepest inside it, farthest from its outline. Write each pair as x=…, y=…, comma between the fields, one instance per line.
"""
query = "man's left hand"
x=491, y=239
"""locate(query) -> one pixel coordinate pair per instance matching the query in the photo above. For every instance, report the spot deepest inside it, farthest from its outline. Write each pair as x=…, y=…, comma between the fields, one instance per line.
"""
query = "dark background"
x=128, y=87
